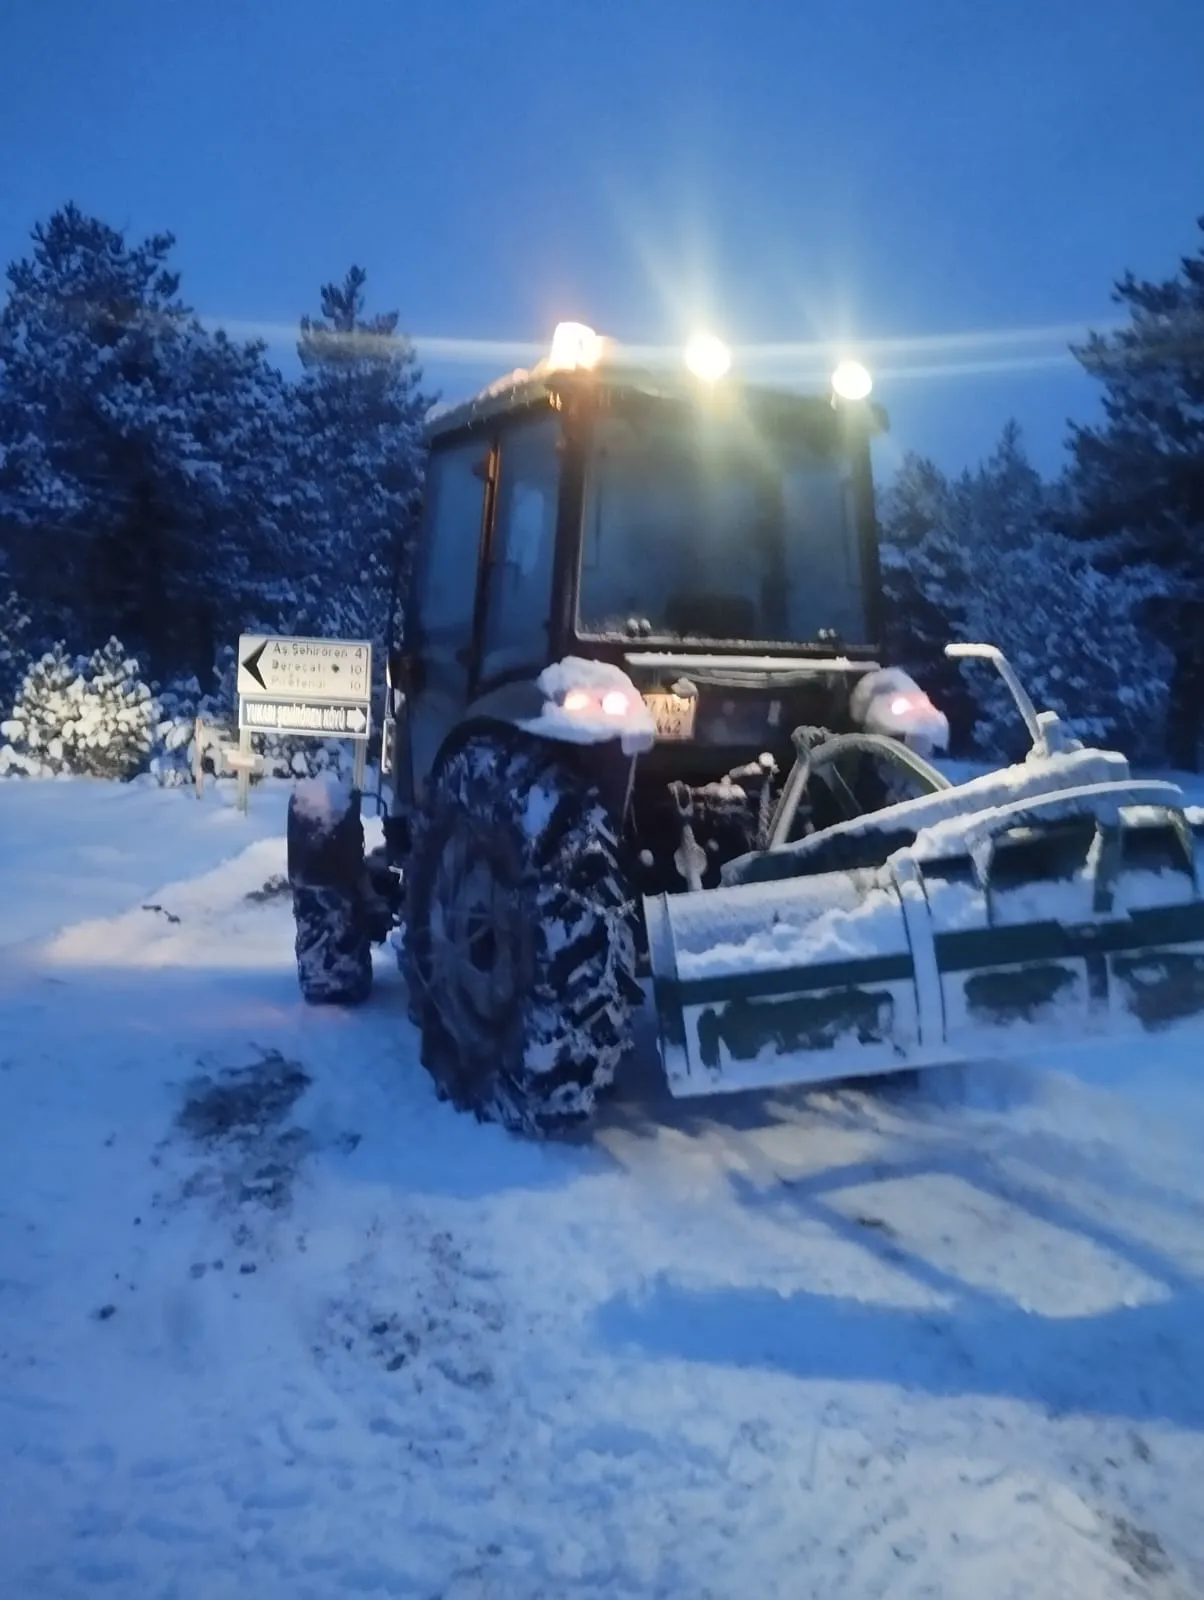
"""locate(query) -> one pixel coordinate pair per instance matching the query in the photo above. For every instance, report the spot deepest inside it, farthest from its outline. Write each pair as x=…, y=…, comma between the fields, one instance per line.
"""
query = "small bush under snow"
x=83, y=716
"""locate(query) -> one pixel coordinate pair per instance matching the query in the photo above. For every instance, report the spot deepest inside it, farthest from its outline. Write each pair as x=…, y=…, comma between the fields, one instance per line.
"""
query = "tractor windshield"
x=700, y=532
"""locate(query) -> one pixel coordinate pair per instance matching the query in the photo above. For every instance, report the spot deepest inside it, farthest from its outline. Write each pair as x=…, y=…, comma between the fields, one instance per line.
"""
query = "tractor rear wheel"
x=519, y=943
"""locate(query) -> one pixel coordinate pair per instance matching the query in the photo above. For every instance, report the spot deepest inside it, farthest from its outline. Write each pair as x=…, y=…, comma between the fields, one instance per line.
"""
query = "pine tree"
x=46, y=710
x=253, y=557
x=14, y=650
x=360, y=411
x=979, y=558
x=1069, y=631
x=925, y=586
x=145, y=487
x=114, y=732
x=1137, y=480
x=1002, y=502
x=96, y=495
x=89, y=717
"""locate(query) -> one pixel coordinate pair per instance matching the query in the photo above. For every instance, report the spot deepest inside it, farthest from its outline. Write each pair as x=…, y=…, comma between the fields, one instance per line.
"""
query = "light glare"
x=707, y=357
x=574, y=345
x=852, y=381
x=614, y=703
x=577, y=700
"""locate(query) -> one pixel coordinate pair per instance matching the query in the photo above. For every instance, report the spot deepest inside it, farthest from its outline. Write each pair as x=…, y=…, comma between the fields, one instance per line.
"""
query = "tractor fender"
x=610, y=708
x=889, y=701
x=601, y=744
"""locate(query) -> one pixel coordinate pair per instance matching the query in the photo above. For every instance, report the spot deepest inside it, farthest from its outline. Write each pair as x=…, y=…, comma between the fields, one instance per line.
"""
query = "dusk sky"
x=965, y=178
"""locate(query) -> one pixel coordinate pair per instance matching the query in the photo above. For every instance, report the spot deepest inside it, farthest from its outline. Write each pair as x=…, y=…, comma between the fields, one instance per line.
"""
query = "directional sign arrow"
x=251, y=664
x=356, y=719
x=307, y=670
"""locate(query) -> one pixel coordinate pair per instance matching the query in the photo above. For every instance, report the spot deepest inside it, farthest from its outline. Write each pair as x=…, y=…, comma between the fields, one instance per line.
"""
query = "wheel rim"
x=480, y=942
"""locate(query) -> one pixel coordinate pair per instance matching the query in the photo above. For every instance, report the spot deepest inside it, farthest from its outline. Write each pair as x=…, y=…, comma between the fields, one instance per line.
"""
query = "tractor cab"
x=713, y=541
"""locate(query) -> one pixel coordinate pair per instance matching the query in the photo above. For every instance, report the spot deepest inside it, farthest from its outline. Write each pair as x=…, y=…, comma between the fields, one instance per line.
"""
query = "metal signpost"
x=314, y=688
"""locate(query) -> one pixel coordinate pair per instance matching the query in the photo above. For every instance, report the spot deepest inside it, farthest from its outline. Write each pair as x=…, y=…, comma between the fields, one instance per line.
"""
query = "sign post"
x=245, y=762
x=309, y=688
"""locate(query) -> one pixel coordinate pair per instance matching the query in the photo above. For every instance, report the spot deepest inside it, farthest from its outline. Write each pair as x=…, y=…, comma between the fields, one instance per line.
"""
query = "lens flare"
x=707, y=357
x=851, y=381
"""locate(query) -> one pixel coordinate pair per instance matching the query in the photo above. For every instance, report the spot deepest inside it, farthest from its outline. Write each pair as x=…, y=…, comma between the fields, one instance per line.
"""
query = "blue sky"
x=965, y=177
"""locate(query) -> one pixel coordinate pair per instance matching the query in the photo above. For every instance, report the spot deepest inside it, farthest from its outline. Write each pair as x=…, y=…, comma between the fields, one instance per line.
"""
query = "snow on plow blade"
x=1058, y=919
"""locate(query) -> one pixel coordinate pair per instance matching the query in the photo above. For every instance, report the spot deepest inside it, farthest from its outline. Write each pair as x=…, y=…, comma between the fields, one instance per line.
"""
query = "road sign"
x=311, y=688
x=307, y=670
x=315, y=719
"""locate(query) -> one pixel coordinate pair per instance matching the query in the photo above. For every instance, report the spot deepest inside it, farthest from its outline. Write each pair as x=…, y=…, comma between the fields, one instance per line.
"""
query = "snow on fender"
x=891, y=702
x=592, y=702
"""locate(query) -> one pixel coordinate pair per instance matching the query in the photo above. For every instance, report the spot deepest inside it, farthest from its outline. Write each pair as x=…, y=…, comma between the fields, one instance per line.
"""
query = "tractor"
x=638, y=727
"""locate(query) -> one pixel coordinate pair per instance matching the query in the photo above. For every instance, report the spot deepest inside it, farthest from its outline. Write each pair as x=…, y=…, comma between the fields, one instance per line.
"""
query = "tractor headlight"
x=851, y=381
x=610, y=702
x=574, y=346
x=707, y=357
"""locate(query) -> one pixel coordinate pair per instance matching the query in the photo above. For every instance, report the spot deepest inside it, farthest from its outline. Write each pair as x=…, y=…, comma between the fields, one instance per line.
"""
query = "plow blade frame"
x=948, y=952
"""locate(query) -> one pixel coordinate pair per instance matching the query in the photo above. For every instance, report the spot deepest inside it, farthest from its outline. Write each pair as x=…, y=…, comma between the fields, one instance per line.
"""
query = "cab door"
x=440, y=632
x=516, y=621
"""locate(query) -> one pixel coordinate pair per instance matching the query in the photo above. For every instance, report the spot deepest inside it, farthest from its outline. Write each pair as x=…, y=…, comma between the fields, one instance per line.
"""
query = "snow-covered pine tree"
x=1137, y=478
x=255, y=521
x=1001, y=502
x=1069, y=632
x=118, y=715
x=144, y=486
x=361, y=409
x=90, y=717
x=40, y=734
x=978, y=558
x=14, y=647
x=99, y=495
x=925, y=586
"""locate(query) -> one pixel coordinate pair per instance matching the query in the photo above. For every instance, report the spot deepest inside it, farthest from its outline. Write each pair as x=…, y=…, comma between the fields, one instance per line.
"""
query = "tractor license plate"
x=673, y=714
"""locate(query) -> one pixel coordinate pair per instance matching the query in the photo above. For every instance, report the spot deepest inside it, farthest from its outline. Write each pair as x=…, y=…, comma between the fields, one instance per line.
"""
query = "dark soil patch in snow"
x=245, y=1102
x=239, y=1116
x=276, y=888
x=441, y=1329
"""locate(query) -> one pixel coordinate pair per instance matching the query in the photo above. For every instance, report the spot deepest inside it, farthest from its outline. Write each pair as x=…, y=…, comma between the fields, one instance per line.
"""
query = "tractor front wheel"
x=519, y=944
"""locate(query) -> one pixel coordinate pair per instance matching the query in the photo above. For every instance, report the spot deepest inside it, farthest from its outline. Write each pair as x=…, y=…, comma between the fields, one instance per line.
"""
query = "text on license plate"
x=673, y=714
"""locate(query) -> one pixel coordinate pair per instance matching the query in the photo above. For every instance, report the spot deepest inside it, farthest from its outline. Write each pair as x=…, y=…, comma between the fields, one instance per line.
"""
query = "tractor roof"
x=523, y=391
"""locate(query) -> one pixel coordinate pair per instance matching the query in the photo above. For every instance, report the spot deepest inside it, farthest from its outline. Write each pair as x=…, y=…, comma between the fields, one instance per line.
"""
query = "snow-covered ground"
x=276, y=1324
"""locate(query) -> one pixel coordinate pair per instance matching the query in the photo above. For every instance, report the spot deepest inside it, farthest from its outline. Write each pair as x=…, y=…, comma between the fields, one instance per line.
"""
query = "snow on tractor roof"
x=583, y=361
x=540, y=386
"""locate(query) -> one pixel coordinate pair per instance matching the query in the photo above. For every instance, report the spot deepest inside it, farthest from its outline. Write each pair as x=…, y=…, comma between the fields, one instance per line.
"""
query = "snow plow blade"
x=1060, y=918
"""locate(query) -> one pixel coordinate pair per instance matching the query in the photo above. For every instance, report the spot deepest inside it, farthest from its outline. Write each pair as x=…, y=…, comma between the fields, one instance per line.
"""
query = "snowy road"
x=274, y=1323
